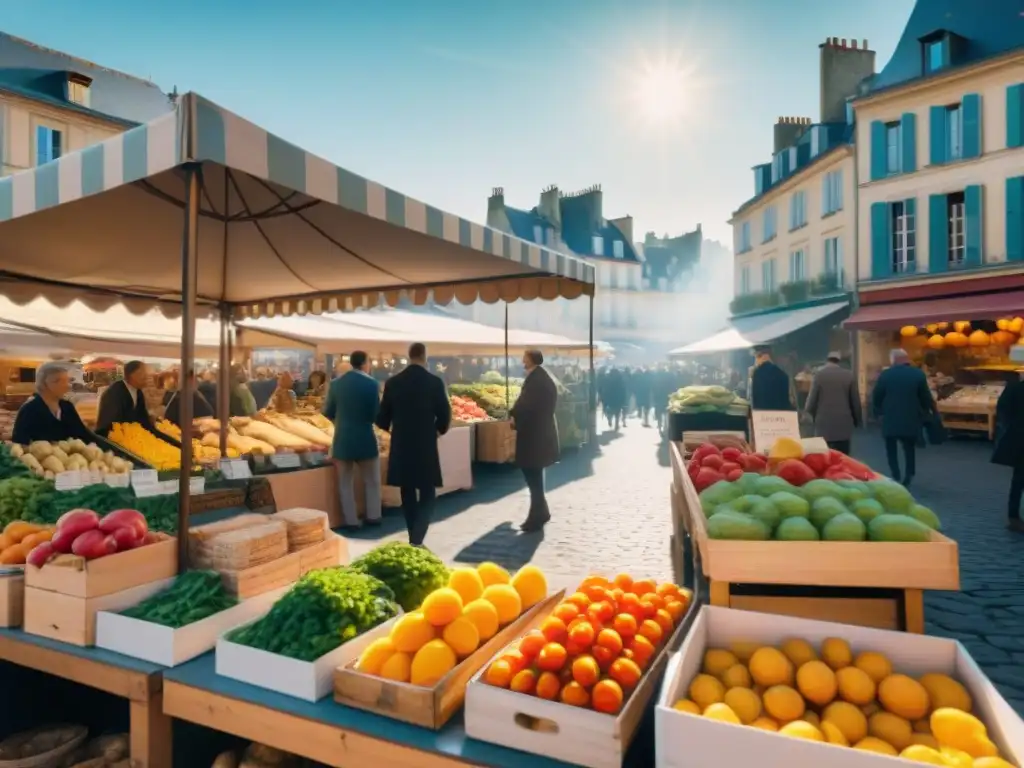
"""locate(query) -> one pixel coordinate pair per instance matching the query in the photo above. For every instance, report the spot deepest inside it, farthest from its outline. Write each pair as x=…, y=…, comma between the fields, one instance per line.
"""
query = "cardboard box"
x=495, y=442
x=689, y=741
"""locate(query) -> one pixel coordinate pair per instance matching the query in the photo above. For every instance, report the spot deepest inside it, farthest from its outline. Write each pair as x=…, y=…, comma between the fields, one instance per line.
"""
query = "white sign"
x=168, y=487
x=286, y=460
x=144, y=478
x=69, y=481
x=196, y=485
x=145, y=491
x=235, y=469
x=769, y=426
x=316, y=457
x=117, y=481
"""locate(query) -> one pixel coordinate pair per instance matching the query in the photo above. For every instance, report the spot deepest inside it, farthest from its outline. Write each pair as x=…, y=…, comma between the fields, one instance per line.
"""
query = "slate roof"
x=671, y=258
x=576, y=232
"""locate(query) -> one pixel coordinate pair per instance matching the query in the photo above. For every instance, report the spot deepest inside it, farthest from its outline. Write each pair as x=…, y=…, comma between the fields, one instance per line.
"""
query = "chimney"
x=625, y=225
x=586, y=207
x=843, y=69
x=788, y=130
x=496, y=201
x=549, y=207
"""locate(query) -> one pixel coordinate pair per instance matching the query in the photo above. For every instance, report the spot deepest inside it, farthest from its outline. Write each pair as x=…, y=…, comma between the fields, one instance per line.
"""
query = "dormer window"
x=936, y=55
x=940, y=50
x=78, y=88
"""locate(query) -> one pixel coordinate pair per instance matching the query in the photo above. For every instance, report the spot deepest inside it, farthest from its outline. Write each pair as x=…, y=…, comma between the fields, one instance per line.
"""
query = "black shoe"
x=534, y=524
x=373, y=523
x=906, y=482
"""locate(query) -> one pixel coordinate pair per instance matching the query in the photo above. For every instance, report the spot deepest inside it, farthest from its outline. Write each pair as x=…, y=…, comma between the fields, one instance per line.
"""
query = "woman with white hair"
x=47, y=415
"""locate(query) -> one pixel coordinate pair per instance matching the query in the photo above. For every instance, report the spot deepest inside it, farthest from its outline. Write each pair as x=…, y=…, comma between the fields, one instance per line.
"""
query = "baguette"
x=300, y=429
x=275, y=436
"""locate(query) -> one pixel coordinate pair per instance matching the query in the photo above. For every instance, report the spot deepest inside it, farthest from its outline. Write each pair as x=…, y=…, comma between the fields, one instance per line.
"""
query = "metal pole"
x=189, y=260
x=592, y=410
x=223, y=378
x=508, y=389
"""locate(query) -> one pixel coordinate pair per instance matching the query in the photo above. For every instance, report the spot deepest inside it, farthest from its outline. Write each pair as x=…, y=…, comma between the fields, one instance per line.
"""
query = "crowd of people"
x=642, y=391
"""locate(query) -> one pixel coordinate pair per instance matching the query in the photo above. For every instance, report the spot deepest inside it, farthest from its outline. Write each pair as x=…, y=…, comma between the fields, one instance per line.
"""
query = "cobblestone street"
x=610, y=511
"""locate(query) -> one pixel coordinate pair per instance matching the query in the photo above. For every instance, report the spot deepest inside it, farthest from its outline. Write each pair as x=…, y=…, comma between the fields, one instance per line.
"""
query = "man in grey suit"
x=834, y=404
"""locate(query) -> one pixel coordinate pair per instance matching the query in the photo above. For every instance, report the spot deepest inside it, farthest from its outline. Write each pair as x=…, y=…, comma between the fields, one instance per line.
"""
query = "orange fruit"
x=603, y=611
x=551, y=657
x=643, y=587
x=625, y=672
x=607, y=697
x=631, y=604
x=499, y=674
x=565, y=674
x=654, y=598
x=605, y=656
x=595, y=592
x=575, y=695
x=616, y=595
x=553, y=628
x=610, y=639
x=548, y=686
x=585, y=671
x=524, y=681
x=578, y=599
x=516, y=659
x=623, y=581
x=573, y=649
x=582, y=634
x=676, y=609
x=625, y=624
x=566, y=611
x=594, y=580
x=667, y=589
x=664, y=620
x=651, y=630
x=531, y=643
x=643, y=650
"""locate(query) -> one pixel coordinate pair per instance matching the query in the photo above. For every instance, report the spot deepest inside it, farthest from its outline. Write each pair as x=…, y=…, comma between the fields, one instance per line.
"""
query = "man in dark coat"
x=124, y=401
x=769, y=385
x=416, y=410
x=614, y=397
x=902, y=400
x=533, y=417
x=834, y=404
x=1009, y=446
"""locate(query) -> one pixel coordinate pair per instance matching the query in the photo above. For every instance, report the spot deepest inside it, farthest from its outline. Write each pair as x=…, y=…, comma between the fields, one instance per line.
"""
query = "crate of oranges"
x=575, y=687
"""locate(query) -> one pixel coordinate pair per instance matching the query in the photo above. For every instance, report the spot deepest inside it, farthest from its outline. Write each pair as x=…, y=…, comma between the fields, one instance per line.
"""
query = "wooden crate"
x=12, y=599
x=250, y=582
x=77, y=577
x=495, y=442
x=431, y=707
x=330, y=552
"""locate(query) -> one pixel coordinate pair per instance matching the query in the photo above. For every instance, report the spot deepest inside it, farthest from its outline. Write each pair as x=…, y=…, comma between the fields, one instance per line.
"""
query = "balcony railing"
x=791, y=294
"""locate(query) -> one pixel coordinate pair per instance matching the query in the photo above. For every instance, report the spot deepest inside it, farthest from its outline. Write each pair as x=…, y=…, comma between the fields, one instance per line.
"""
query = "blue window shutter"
x=974, y=223
x=878, y=164
x=938, y=234
x=1015, y=219
x=1015, y=116
x=908, y=131
x=881, y=263
x=937, y=136
x=971, y=109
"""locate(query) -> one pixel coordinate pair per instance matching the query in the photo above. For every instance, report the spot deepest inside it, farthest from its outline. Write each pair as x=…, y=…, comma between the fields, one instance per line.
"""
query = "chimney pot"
x=853, y=43
x=865, y=44
x=843, y=44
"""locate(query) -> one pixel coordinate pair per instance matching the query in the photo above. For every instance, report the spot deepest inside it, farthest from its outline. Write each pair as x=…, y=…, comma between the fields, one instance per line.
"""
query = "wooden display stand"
x=495, y=442
x=967, y=417
x=308, y=489
x=869, y=584
x=140, y=682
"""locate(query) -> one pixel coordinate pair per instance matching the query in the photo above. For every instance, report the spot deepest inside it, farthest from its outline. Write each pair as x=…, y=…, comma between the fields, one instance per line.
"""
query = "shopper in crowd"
x=263, y=387
x=201, y=407
x=642, y=394
x=615, y=397
x=533, y=418
x=283, y=399
x=124, y=402
x=661, y=389
x=207, y=387
x=902, y=400
x=834, y=403
x=316, y=385
x=47, y=415
x=241, y=401
x=353, y=402
x=416, y=410
x=770, y=387
x=1009, y=446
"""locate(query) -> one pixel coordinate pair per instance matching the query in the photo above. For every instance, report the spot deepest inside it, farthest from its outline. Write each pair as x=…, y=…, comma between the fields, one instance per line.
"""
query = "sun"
x=661, y=92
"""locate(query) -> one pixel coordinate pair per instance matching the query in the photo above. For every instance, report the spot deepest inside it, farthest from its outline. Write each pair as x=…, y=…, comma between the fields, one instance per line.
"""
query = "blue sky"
x=444, y=99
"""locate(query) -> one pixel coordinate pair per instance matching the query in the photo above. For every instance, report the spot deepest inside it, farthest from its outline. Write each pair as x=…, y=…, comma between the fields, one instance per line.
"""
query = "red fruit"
x=41, y=554
x=818, y=462
x=735, y=475
x=72, y=525
x=705, y=449
x=126, y=538
x=706, y=477
x=94, y=544
x=794, y=472
x=78, y=514
x=713, y=462
x=835, y=457
x=692, y=469
x=125, y=518
x=837, y=473
x=728, y=467
x=754, y=462
x=731, y=453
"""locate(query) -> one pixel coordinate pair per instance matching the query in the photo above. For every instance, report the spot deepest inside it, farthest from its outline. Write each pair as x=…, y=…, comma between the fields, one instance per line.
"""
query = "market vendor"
x=283, y=399
x=124, y=402
x=316, y=386
x=47, y=415
x=240, y=401
x=201, y=407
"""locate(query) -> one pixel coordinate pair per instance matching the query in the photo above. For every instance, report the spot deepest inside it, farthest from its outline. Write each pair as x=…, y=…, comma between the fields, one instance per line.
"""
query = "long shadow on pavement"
x=503, y=545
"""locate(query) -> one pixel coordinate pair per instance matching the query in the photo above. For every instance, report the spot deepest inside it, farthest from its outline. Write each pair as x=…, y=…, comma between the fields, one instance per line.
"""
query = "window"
x=744, y=280
x=904, y=241
x=777, y=171
x=49, y=142
x=816, y=143
x=78, y=92
x=849, y=113
x=954, y=132
x=768, y=275
x=892, y=148
x=956, y=216
x=797, y=211
x=598, y=245
x=538, y=234
x=618, y=249
x=936, y=55
x=832, y=193
x=833, y=259
x=744, y=240
x=769, y=223
x=797, y=266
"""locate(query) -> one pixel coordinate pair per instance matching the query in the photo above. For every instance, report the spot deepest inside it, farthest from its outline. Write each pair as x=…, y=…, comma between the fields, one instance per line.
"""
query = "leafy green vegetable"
x=21, y=498
x=10, y=466
x=100, y=498
x=324, y=609
x=411, y=572
x=194, y=596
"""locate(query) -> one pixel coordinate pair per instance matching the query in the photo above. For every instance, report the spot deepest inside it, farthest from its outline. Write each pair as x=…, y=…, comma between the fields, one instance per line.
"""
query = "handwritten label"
x=69, y=481
x=235, y=469
x=144, y=478
x=769, y=426
x=286, y=460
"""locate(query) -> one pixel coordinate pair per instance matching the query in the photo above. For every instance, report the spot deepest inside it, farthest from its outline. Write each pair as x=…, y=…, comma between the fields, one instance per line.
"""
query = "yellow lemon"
x=745, y=703
x=373, y=657
x=798, y=651
x=717, y=661
x=411, y=632
x=463, y=636
x=485, y=616
x=836, y=653
x=783, y=703
x=743, y=650
x=832, y=734
x=890, y=728
x=904, y=696
x=492, y=573
x=817, y=682
x=706, y=690
x=769, y=666
x=944, y=691
x=926, y=739
x=506, y=600
x=922, y=754
x=812, y=718
x=855, y=686
x=722, y=712
x=871, y=744
x=848, y=719
x=960, y=730
x=736, y=676
x=955, y=758
x=876, y=665
x=801, y=729
x=531, y=585
x=685, y=705
x=467, y=582
x=442, y=606
x=397, y=668
x=765, y=724
x=432, y=662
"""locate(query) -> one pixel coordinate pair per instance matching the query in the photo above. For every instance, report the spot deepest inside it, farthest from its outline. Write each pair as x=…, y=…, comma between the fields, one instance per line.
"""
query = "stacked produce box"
x=706, y=408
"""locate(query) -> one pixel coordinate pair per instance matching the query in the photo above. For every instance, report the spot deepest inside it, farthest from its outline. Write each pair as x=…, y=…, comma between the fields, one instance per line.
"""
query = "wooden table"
x=137, y=681
x=972, y=417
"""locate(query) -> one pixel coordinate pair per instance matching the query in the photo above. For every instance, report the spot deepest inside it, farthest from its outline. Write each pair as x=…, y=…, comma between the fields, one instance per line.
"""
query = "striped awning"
x=281, y=231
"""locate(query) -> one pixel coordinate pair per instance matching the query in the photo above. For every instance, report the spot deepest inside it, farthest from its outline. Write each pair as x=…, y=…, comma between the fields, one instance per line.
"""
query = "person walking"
x=416, y=410
x=770, y=387
x=902, y=400
x=533, y=418
x=353, y=402
x=1009, y=446
x=834, y=404
x=642, y=394
x=615, y=395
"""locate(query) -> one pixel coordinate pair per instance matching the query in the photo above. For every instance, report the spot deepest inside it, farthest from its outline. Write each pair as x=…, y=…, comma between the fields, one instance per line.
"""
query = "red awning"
x=982, y=306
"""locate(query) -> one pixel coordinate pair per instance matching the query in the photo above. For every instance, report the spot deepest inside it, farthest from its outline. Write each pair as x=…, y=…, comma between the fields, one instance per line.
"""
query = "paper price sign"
x=144, y=478
x=769, y=426
x=235, y=469
x=286, y=460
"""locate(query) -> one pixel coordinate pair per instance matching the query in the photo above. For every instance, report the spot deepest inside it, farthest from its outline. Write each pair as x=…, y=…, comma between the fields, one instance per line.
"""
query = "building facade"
x=52, y=103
